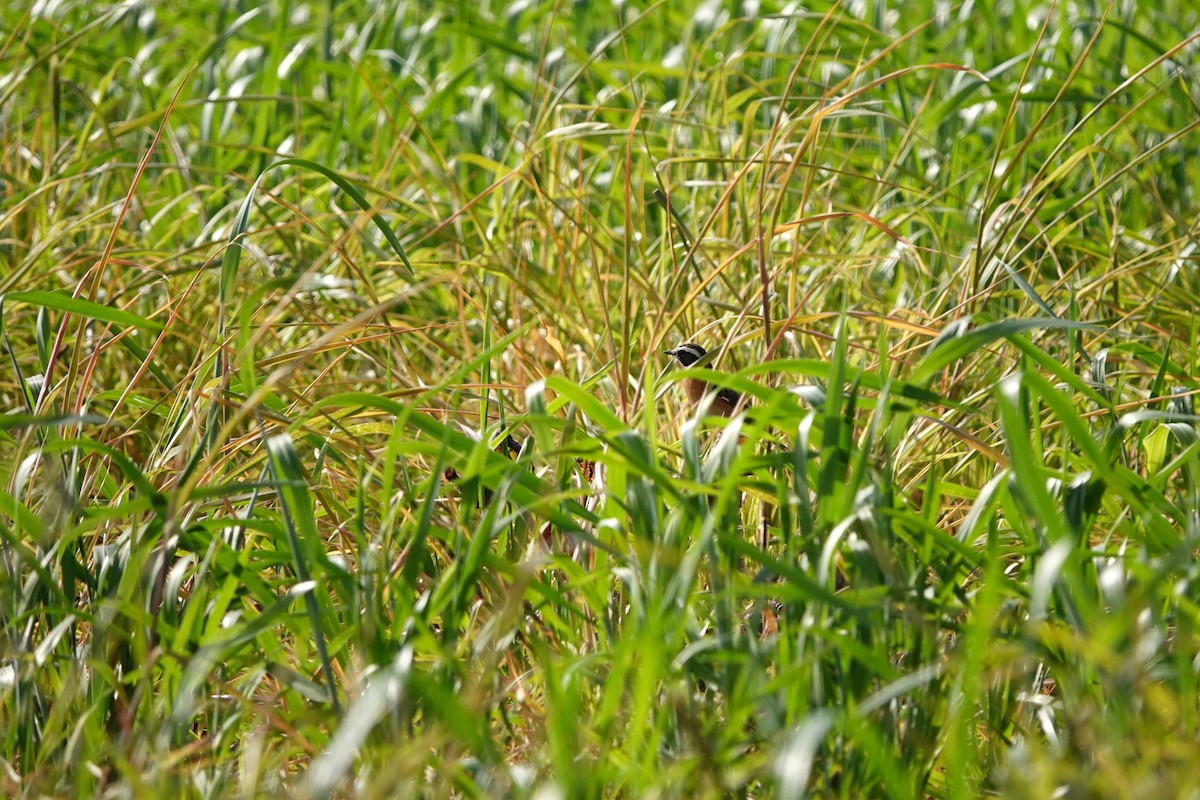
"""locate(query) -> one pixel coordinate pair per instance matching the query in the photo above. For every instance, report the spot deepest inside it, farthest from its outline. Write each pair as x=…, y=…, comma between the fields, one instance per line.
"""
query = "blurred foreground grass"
x=278, y=277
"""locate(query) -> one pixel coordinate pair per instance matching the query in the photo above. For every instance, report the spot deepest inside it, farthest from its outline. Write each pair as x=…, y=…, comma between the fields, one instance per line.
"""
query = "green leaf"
x=62, y=301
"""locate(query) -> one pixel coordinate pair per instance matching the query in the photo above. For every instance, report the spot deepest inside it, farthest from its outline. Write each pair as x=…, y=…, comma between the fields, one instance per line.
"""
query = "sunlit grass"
x=340, y=456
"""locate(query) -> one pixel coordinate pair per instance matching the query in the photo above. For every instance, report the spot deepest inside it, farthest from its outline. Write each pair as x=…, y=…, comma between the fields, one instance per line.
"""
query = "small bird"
x=725, y=401
x=509, y=448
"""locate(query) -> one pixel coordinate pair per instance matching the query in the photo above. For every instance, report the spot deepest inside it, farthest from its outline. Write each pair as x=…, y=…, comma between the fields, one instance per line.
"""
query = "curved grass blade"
x=67, y=303
x=950, y=349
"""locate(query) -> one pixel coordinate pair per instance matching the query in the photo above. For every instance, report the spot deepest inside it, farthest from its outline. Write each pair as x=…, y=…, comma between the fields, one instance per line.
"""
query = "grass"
x=279, y=280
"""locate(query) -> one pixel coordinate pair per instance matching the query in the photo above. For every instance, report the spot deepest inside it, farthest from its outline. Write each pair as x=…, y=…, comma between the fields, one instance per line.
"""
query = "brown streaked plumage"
x=724, y=402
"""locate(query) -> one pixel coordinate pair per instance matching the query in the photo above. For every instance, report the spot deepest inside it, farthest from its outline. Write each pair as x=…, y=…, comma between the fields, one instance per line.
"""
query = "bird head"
x=687, y=353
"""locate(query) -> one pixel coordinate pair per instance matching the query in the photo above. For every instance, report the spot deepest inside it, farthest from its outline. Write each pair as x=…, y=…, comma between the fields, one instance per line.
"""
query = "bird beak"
x=668, y=352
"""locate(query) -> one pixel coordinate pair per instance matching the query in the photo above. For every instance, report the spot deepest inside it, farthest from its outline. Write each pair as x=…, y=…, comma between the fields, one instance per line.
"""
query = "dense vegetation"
x=339, y=455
